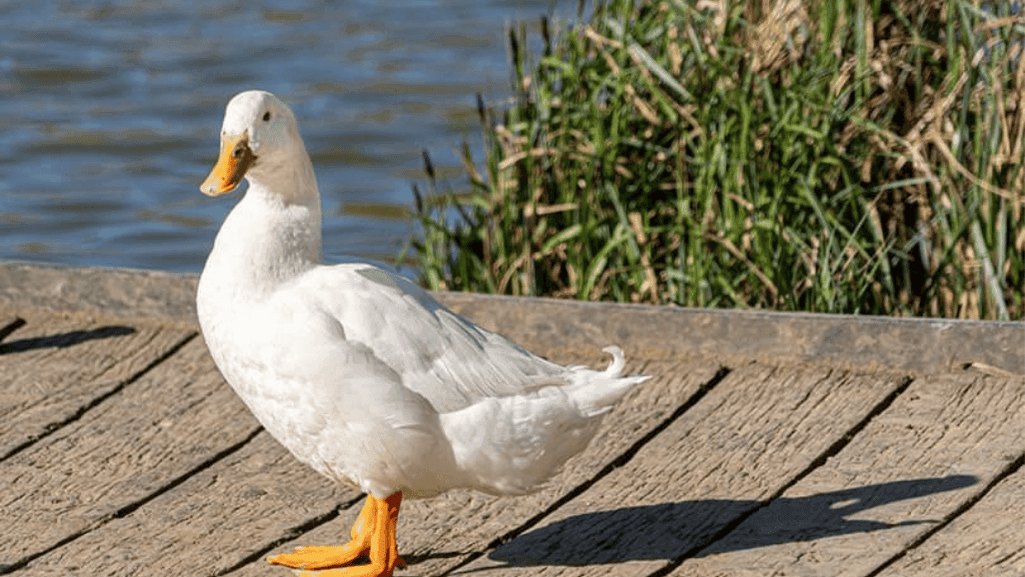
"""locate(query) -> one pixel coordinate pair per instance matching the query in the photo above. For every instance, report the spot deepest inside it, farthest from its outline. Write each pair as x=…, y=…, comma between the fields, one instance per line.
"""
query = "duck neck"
x=273, y=234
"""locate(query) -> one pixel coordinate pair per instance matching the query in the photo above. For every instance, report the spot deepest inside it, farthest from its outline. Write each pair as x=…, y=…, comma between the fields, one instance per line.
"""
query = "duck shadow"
x=63, y=340
x=671, y=530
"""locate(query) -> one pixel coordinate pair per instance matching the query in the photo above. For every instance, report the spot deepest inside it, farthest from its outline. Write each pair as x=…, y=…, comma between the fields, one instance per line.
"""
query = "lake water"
x=110, y=113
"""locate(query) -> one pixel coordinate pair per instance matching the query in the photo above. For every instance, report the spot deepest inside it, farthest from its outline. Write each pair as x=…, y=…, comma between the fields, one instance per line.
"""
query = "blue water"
x=110, y=112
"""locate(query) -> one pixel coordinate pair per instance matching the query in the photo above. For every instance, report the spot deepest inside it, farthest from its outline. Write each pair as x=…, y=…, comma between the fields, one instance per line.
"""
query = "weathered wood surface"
x=667, y=333
x=764, y=444
x=934, y=449
x=65, y=364
x=986, y=539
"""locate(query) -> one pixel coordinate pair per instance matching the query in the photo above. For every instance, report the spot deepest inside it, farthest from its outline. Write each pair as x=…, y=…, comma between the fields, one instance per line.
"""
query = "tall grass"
x=849, y=157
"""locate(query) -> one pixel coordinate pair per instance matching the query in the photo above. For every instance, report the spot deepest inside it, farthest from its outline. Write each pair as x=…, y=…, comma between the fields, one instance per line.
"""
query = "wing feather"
x=437, y=353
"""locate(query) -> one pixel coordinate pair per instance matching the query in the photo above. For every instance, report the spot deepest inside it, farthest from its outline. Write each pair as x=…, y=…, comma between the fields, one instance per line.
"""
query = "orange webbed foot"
x=373, y=536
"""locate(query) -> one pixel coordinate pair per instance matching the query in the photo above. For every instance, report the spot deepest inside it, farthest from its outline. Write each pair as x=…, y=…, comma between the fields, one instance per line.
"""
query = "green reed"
x=845, y=157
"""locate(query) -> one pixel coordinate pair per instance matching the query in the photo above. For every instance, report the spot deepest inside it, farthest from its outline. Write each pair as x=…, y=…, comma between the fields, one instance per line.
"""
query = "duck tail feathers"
x=511, y=445
x=596, y=392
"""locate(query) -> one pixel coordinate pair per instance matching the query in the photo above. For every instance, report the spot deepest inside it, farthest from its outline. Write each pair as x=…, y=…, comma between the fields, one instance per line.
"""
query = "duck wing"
x=440, y=355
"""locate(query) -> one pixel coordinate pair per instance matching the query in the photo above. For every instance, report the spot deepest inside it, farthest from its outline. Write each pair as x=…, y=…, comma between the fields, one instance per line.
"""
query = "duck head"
x=259, y=133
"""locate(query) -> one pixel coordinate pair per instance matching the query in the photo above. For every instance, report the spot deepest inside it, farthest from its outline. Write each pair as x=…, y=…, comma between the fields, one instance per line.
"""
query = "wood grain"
x=211, y=522
x=915, y=464
x=53, y=367
x=985, y=541
x=125, y=450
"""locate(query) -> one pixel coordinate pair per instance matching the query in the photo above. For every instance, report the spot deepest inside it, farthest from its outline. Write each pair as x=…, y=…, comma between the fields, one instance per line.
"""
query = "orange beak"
x=232, y=163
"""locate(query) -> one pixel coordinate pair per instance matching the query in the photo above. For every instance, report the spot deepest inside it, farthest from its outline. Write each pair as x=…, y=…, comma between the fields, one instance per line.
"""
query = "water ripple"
x=109, y=115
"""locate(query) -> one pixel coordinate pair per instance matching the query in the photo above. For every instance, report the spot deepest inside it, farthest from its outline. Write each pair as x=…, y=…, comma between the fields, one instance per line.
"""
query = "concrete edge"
x=924, y=346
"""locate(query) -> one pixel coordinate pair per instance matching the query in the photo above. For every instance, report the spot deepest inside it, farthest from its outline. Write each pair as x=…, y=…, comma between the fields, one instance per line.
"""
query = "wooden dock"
x=765, y=444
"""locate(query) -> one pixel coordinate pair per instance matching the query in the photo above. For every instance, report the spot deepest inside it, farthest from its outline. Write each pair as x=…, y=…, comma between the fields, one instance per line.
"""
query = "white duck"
x=359, y=372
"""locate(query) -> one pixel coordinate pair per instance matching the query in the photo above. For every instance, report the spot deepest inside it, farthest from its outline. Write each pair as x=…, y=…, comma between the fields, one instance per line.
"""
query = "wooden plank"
x=52, y=367
x=988, y=540
x=923, y=346
x=211, y=522
x=938, y=445
x=138, y=443
x=136, y=294
x=438, y=533
x=749, y=437
x=106, y=461
x=919, y=345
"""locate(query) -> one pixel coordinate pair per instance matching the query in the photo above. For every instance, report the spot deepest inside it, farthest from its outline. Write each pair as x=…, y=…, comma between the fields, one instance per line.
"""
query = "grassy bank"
x=850, y=157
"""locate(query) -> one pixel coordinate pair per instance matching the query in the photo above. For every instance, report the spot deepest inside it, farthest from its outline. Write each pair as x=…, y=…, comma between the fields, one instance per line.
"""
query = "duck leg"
x=373, y=535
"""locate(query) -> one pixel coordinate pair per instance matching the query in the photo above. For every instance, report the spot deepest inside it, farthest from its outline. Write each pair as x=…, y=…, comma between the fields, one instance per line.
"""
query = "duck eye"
x=266, y=116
